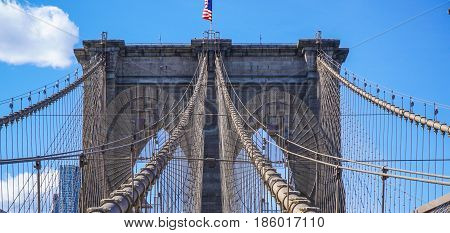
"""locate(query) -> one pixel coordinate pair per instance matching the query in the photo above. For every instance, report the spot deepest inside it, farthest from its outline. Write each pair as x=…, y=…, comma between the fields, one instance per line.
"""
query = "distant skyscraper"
x=55, y=203
x=69, y=189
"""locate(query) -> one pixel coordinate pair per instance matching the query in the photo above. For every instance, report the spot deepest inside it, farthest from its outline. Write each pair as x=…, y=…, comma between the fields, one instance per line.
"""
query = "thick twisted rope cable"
x=41, y=88
x=442, y=127
x=123, y=200
x=96, y=149
x=82, y=152
x=359, y=163
x=44, y=103
x=331, y=156
x=285, y=195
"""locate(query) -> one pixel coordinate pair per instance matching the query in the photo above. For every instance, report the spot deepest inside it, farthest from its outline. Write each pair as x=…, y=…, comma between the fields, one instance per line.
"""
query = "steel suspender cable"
x=288, y=199
x=124, y=200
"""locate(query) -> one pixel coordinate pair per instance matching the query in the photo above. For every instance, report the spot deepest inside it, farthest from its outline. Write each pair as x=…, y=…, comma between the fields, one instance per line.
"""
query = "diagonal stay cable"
x=124, y=199
x=289, y=199
x=322, y=154
x=87, y=151
x=401, y=24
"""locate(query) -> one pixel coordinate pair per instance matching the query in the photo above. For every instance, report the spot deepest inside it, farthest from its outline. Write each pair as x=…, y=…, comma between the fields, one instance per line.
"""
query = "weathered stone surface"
x=274, y=80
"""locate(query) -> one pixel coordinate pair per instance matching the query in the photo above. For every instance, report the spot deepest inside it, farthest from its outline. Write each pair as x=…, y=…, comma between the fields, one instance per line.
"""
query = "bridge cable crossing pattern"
x=290, y=200
x=133, y=193
x=373, y=152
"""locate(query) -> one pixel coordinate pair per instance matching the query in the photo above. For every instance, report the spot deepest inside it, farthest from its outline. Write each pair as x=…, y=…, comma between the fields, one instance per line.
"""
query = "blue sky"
x=413, y=59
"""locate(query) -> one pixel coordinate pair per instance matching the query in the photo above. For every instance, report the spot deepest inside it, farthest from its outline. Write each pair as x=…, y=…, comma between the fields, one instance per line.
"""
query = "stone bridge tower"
x=279, y=83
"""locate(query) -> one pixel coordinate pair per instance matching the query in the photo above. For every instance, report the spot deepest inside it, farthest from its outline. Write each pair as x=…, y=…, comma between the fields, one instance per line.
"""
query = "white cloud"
x=18, y=192
x=43, y=36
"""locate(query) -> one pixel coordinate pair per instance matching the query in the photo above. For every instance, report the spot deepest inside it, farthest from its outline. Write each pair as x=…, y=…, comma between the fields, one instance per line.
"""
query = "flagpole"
x=207, y=15
x=210, y=28
x=211, y=22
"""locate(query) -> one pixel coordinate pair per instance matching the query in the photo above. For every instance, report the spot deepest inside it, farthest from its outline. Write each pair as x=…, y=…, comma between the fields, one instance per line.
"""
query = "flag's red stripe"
x=207, y=14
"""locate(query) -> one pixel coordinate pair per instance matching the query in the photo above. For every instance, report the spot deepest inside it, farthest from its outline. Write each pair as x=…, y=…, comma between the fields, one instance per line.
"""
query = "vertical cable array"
x=330, y=186
x=396, y=157
x=93, y=186
x=338, y=144
x=40, y=143
x=242, y=190
x=365, y=154
x=165, y=182
x=178, y=189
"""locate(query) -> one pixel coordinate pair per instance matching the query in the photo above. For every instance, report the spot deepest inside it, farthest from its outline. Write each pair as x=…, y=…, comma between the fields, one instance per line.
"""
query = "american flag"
x=207, y=12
